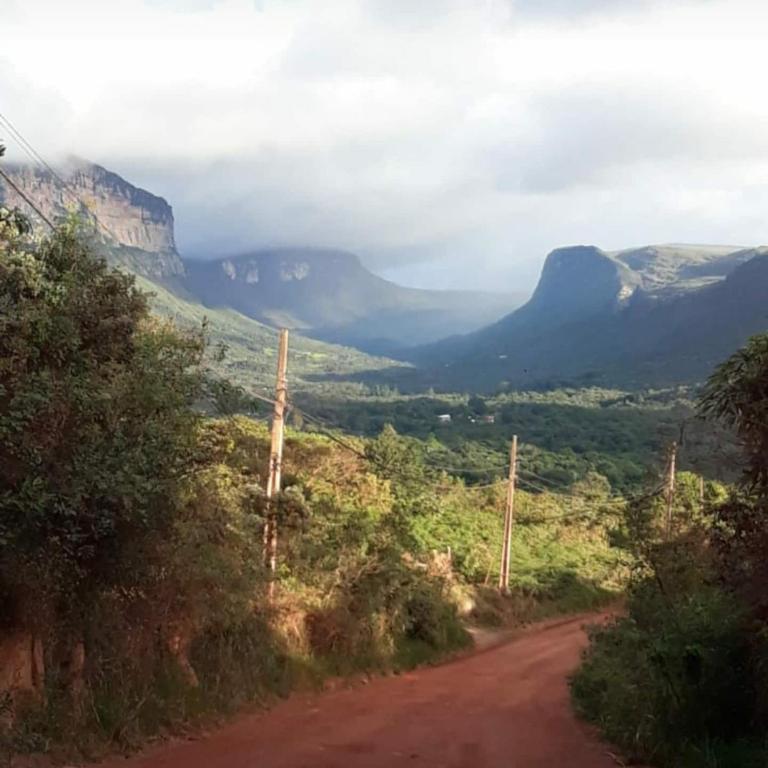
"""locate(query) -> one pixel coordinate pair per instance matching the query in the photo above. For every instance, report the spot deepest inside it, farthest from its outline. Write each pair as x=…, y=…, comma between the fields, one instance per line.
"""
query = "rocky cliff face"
x=657, y=315
x=136, y=225
x=582, y=280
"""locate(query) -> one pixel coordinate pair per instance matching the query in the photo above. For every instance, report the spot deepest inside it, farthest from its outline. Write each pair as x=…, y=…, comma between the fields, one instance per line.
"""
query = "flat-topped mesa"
x=283, y=265
x=137, y=224
x=581, y=280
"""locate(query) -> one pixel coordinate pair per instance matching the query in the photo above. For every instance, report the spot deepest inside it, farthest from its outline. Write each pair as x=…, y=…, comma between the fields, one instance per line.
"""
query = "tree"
x=96, y=423
x=737, y=394
x=13, y=224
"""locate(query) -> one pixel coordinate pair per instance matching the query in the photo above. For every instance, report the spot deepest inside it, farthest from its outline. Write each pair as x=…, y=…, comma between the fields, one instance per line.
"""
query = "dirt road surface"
x=505, y=706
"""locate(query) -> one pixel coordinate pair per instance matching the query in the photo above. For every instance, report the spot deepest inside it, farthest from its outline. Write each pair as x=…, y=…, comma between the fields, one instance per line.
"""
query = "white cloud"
x=470, y=136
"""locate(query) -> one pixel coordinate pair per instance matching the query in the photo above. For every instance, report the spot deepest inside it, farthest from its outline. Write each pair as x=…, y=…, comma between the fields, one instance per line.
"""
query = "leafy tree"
x=396, y=458
x=96, y=423
x=737, y=394
x=477, y=405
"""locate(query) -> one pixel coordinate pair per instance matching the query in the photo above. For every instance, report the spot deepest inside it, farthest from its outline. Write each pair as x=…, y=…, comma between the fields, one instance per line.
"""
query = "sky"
x=450, y=143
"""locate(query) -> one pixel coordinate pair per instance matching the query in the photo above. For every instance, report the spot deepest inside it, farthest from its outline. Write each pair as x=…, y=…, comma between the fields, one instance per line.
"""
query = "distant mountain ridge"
x=330, y=295
x=660, y=314
x=677, y=268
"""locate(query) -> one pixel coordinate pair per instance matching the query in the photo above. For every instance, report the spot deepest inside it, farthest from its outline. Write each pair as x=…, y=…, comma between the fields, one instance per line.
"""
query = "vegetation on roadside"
x=681, y=680
x=131, y=581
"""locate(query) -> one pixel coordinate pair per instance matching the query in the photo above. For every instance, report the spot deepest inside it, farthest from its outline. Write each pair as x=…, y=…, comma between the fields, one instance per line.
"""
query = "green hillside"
x=251, y=347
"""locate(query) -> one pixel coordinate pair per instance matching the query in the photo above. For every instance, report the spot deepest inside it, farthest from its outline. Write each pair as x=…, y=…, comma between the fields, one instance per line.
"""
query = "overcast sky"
x=450, y=143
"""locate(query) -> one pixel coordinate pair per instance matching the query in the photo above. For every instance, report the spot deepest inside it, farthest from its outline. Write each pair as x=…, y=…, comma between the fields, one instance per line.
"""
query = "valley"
x=597, y=371
x=632, y=319
x=395, y=481
x=383, y=382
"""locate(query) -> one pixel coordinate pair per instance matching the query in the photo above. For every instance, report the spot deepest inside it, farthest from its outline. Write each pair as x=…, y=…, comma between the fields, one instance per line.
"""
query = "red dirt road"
x=506, y=706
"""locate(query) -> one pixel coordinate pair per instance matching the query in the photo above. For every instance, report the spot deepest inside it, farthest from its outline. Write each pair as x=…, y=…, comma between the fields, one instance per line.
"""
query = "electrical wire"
x=26, y=199
x=544, y=480
x=524, y=482
x=36, y=157
x=263, y=398
x=483, y=487
x=320, y=427
x=466, y=470
x=580, y=515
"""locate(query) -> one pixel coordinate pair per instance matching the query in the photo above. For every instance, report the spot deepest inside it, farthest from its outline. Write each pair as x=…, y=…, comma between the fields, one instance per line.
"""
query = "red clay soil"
x=506, y=706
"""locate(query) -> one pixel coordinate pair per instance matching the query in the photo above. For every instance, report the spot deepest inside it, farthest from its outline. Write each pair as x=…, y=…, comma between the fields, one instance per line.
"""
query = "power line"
x=535, y=487
x=26, y=199
x=32, y=153
x=545, y=480
x=24, y=144
x=264, y=399
x=586, y=515
x=470, y=488
x=466, y=470
x=558, y=518
x=483, y=487
x=542, y=489
x=321, y=424
x=320, y=427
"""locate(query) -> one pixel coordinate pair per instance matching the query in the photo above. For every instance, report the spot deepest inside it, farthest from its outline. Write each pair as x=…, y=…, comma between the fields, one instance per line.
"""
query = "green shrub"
x=677, y=685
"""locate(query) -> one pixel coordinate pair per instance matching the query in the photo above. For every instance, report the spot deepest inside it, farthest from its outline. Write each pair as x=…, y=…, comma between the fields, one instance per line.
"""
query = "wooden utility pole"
x=276, y=460
x=670, y=494
x=509, y=513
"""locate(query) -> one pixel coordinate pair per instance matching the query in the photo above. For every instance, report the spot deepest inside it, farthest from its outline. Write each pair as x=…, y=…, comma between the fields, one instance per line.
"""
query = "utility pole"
x=276, y=461
x=508, y=519
x=670, y=494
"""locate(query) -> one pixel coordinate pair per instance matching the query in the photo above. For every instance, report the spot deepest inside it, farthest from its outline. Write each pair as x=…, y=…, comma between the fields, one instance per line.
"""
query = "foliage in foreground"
x=131, y=582
x=131, y=526
x=682, y=680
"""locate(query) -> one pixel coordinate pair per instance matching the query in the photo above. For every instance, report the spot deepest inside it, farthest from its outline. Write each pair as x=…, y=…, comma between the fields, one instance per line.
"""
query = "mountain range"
x=654, y=315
